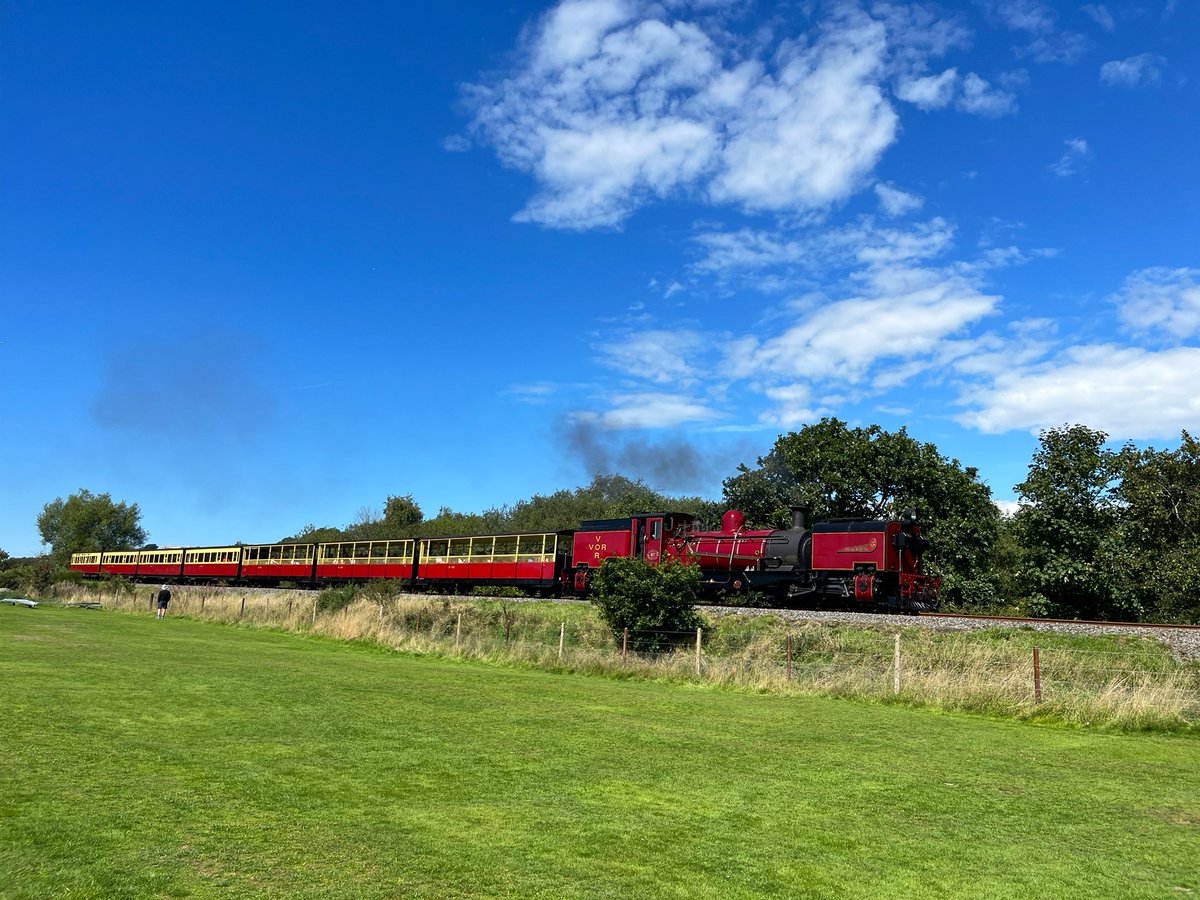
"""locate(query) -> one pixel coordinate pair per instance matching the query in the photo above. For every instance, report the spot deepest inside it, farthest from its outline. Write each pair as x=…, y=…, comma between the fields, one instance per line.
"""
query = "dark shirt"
x=164, y=597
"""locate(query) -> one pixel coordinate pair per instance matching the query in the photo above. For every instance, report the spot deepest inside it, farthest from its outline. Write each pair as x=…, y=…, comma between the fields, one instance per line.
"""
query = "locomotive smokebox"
x=799, y=517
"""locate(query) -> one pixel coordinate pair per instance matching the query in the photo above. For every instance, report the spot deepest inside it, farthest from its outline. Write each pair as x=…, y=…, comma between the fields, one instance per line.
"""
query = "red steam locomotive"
x=860, y=564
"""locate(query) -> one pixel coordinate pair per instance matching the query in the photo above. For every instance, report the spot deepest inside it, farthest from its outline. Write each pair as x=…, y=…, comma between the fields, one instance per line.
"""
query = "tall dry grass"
x=1134, y=686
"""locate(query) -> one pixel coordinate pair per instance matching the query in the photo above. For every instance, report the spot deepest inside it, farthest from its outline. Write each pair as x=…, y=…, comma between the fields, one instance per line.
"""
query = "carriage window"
x=460, y=549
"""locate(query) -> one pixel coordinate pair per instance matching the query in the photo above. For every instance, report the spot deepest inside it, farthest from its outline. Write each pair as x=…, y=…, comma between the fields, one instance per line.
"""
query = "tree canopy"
x=1158, y=499
x=87, y=522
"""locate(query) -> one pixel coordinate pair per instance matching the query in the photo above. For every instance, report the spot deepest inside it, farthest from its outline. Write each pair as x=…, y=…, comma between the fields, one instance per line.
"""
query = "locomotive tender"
x=860, y=564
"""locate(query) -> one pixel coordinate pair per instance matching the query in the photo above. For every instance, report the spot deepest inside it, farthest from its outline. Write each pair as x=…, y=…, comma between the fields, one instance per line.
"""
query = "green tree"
x=311, y=534
x=1159, y=509
x=656, y=603
x=1067, y=528
x=840, y=472
x=402, y=515
x=87, y=522
x=3, y=558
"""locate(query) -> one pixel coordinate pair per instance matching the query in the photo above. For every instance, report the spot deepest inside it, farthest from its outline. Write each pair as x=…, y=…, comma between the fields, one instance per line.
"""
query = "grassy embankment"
x=1123, y=682
x=185, y=758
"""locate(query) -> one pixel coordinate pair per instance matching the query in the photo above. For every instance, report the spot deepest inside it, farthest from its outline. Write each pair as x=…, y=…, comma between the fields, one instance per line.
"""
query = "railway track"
x=1024, y=620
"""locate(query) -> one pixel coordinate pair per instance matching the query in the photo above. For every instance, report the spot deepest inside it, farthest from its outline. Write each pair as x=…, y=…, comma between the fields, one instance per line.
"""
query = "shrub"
x=648, y=600
x=334, y=599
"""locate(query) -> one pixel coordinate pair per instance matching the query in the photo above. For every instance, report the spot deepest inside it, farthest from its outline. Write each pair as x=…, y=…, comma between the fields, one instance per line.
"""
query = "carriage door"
x=654, y=539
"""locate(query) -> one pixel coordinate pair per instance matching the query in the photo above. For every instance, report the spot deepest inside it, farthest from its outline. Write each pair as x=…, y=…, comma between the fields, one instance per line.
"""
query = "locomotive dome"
x=732, y=522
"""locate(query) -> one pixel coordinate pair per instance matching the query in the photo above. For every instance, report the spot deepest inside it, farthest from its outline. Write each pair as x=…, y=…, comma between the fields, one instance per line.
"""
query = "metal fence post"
x=624, y=644
x=1037, y=676
x=896, y=666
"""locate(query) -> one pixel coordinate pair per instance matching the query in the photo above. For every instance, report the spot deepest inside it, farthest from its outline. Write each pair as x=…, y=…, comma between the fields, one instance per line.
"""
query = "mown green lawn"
x=182, y=758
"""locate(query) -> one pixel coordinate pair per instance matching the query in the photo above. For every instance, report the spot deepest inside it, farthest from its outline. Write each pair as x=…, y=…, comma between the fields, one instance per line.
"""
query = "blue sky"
x=265, y=264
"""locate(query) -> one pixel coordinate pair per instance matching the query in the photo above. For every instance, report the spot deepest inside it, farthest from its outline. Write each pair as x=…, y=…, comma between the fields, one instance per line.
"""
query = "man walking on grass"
x=164, y=597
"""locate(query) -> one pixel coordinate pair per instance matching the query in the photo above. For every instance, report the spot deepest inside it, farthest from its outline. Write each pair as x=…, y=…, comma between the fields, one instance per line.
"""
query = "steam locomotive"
x=859, y=564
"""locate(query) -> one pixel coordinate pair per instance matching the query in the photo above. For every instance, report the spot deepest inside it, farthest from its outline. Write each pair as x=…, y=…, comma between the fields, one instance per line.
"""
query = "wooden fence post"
x=562, y=636
x=697, y=651
x=458, y=631
x=314, y=612
x=1037, y=676
x=201, y=603
x=896, y=666
x=289, y=606
x=789, y=662
x=624, y=644
x=242, y=611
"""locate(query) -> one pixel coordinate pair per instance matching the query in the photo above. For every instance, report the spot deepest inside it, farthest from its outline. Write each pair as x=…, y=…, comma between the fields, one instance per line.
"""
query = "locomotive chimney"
x=798, y=516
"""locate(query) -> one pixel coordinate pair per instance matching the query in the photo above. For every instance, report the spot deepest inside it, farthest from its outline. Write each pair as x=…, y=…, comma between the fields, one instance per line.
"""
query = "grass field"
x=186, y=758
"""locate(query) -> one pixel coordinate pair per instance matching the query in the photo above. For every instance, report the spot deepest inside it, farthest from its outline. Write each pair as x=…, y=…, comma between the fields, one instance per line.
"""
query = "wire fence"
x=1141, y=683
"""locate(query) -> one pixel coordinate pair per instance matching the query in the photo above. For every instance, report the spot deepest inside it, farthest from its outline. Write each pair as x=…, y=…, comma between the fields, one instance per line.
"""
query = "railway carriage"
x=278, y=562
x=529, y=560
x=361, y=560
x=121, y=562
x=211, y=562
x=155, y=564
x=87, y=563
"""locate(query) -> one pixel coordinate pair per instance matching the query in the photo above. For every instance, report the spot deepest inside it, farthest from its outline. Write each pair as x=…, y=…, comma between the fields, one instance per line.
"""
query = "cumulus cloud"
x=1125, y=391
x=911, y=310
x=1143, y=70
x=613, y=102
x=1073, y=157
x=895, y=202
x=660, y=356
x=982, y=99
x=651, y=410
x=929, y=91
x=1161, y=301
x=1099, y=14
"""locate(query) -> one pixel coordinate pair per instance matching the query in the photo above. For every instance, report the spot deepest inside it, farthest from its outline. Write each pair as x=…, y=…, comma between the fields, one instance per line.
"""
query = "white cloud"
x=981, y=99
x=456, y=143
x=1161, y=301
x=612, y=103
x=930, y=91
x=863, y=242
x=1099, y=14
x=1024, y=15
x=1126, y=391
x=1142, y=70
x=535, y=393
x=895, y=202
x=1073, y=157
x=910, y=311
x=808, y=135
x=652, y=410
x=794, y=406
x=659, y=356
